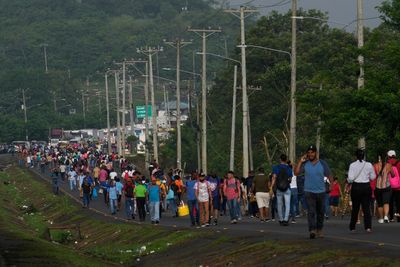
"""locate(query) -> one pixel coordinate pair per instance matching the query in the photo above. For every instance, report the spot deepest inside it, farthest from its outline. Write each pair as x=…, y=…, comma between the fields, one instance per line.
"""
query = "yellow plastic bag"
x=183, y=210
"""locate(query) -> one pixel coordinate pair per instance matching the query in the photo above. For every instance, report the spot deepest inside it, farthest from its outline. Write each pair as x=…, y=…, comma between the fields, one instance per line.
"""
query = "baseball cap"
x=312, y=148
x=391, y=153
x=202, y=175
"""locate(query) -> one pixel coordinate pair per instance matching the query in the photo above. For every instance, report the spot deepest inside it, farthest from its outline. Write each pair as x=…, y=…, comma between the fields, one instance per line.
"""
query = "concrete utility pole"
x=131, y=105
x=25, y=115
x=242, y=11
x=83, y=109
x=117, y=92
x=44, y=45
x=318, y=142
x=293, y=119
x=197, y=113
x=360, y=38
x=124, y=65
x=232, y=154
x=108, y=114
x=204, y=33
x=150, y=51
x=178, y=44
x=146, y=116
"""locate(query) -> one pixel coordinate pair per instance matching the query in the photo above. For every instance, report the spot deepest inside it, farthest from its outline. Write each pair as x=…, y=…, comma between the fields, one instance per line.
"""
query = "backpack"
x=395, y=180
x=283, y=179
x=129, y=191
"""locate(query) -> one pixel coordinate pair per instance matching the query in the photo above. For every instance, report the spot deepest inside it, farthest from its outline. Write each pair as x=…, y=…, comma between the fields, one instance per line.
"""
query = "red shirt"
x=335, y=190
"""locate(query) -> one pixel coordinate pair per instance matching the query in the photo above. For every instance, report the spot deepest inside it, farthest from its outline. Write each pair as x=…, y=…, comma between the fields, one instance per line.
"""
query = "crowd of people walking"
x=288, y=192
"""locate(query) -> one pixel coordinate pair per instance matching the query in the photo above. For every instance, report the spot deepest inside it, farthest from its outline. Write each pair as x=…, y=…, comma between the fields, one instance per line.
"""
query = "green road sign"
x=141, y=111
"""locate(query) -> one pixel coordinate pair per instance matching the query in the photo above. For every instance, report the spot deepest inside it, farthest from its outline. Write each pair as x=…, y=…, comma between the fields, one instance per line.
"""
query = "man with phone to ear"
x=314, y=171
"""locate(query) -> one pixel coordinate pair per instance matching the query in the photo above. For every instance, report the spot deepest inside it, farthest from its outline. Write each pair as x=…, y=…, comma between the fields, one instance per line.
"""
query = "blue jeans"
x=172, y=205
x=232, y=205
x=294, y=203
x=113, y=205
x=238, y=211
x=192, y=204
x=283, y=201
x=72, y=184
x=327, y=207
x=129, y=207
x=154, y=211
x=86, y=199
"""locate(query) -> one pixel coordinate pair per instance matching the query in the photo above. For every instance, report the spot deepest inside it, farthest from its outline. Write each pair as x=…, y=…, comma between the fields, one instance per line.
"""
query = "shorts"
x=216, y=203
x=262, y=199
x=334, y=201
x=383, y=196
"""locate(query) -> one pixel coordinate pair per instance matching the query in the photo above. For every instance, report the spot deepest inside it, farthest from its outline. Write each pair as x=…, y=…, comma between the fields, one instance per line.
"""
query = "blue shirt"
x=275, y=169
x=112, y=192
x=214, y=185
x=119, y=187
x=314, y=176
x=190, y=190
x=154, y=193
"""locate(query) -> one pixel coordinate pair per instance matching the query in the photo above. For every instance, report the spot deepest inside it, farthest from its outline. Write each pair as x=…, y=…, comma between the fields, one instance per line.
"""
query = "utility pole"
x=293, y=119
x=117, y=92
x=124, y=65
x=197, y=113
x=131, y=106
x=150, y=51
x=318, y=142
x=44, y=45
x=204, y=33
x=242, y=11
x=232, y=154
x=108, y=115
x=83, y=108
x=25, y=115
x=178, y=44
x=146, y=117
x=360, y=38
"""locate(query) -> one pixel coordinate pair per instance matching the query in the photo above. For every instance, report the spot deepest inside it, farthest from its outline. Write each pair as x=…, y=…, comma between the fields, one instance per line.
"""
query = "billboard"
x=141, y=111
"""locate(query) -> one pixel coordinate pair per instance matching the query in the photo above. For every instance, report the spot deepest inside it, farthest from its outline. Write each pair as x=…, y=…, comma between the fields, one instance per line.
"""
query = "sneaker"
x=368, y=230
x=380, y=221
x=251, y=216
x=396, y=215
x=267, y=220
x=203, y=225
x=234, y=221
x=293, y=221
x=312, y=235
x=207, y=224
x=215, y=222
x=386, y=219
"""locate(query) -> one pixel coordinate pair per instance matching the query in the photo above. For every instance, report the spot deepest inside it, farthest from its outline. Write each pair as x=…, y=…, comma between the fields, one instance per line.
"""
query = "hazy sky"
x=339, y=10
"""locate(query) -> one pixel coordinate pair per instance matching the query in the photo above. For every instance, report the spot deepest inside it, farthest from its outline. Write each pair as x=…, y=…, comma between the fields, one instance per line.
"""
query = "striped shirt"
x=382, y=176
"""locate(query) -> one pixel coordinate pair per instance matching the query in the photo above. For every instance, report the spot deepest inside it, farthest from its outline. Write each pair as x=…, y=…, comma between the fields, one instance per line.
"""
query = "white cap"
x=391, y=153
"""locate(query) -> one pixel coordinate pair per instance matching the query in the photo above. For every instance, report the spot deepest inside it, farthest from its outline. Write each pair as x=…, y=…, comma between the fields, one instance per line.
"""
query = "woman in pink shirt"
x=232, y=193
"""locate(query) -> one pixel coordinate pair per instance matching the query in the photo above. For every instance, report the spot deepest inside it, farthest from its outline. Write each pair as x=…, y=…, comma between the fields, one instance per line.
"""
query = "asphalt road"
x=385, y=237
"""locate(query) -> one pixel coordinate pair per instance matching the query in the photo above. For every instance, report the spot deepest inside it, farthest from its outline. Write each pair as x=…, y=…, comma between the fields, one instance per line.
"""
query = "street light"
x=269, y=49
x=319, y=19
x=185, y=71
x=216, y=55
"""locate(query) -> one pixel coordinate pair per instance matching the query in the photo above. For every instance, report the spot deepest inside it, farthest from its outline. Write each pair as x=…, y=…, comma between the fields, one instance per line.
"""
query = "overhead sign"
x=141, y=112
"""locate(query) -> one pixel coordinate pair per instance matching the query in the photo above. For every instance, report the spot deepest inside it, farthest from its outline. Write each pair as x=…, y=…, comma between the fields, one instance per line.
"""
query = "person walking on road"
x=314, y=171
x=192, y=200
x=232, y=192
x=128, y=190
x=282, y=177
x=360, y=174
x=261, y=189
x=204, y=197
x=141, y=194
x=154, y=201
x=383, y=191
